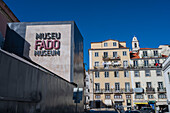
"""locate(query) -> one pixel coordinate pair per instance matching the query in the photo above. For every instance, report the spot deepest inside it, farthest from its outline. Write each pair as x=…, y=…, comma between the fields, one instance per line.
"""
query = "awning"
x=108, y=102
x=140, y=103
x=162, y=103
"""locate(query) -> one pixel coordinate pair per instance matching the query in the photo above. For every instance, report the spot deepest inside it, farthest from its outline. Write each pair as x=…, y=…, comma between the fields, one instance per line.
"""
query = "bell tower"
x=135, y=45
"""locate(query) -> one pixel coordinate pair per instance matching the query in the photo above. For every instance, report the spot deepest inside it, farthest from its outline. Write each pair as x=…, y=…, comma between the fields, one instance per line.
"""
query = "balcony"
x=161, y=90
x=111, y=66
x=107, y=90
x=150, y=90
x=98, y=91
x=138, y=90
x=110, y=58
x=152, y=56
x=142, y=66
x=139, y=97
x=128, y=90
x=117, y=91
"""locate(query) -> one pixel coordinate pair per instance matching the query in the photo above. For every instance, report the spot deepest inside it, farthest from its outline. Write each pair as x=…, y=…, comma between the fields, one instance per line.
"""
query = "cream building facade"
x=147, y=77
x=108, y=63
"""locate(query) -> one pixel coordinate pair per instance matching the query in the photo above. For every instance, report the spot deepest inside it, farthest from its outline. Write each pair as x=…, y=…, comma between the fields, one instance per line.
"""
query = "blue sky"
x=98, y=20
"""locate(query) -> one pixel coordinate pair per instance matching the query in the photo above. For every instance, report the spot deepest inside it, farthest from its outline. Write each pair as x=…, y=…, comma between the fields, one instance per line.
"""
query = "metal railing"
x=107, y=58
x=150, y=90
x=161, y=90
x=151, y=56
x=113, y=90
x=128, y=90
x=143, y=66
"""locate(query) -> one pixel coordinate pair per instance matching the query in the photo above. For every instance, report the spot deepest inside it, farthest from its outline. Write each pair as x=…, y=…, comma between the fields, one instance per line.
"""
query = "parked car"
x=147, y=110
x=132, y=111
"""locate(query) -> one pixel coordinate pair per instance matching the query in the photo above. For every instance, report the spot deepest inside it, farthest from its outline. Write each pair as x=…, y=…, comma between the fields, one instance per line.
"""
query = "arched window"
x=135, y=45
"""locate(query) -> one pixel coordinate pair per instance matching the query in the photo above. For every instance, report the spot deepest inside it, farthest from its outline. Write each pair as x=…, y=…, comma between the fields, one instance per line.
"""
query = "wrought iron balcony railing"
x=161, y=90
x=150, y=90
x=110, y=58
x=128, y=90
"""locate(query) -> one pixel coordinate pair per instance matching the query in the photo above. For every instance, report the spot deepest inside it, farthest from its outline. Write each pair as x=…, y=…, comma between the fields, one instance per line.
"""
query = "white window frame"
x=97, y=74
x=96, y=63
x=124, y=53
x=96, y=54
x=106, y=74
x=116, y=74
x=126, y=74
x=114, y=43
x=105, y=44
x=147, y=73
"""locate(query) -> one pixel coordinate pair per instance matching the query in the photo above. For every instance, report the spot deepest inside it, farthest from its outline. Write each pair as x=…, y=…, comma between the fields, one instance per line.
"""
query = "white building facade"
x=88, y=90
x=166, y=72
x=147, y=77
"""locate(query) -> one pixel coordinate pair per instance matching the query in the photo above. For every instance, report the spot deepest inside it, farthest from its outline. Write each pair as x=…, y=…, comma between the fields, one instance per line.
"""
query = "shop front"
x=140, y=104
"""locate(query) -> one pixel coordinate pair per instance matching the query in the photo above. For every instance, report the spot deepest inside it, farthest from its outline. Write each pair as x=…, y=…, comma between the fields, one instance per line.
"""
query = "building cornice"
x=108, y=48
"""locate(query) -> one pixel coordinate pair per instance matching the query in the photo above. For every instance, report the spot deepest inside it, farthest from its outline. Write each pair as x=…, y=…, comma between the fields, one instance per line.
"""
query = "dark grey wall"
x=27, y=88
x=1, y=40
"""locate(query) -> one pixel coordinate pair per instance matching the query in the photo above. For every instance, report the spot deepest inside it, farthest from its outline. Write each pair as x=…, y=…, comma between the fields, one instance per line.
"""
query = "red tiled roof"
x=134, y=55
x=148, y=48
x=164, y=56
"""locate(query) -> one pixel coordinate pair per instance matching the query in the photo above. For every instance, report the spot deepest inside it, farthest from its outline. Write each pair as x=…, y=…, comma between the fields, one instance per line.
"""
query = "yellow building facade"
x=108, y=64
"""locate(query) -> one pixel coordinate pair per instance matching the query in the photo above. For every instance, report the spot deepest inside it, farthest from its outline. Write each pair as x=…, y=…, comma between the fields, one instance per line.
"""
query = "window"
x=115, y=54
x=135, y=45
x=147, y=73
x=145, y=54
x=125, y=64
x=97, y=86
x=117, y=86
x=146, y=63
x=162, y=95
x=128, y=96
x=117, y=96
x=116, y=73
x=148, y=84
x=105, y=45
x=128, y=101
x=105, y=54
x=96, y=64
x=169, y=77
x=127, y=86
x=157, y=61
x=106, y=74
x=114, y=44
x=106, y=65
x=158, y=73
x=126, y=74
x=150, y=96
x=96, y=54
x=97, y=74
x=107, y=96
x=97, y=96
x=137, y=84
x=107, y=86
x=136, y=73
x=155, y=53
x=135, y=63
x=160, y=85
x=124, y=53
